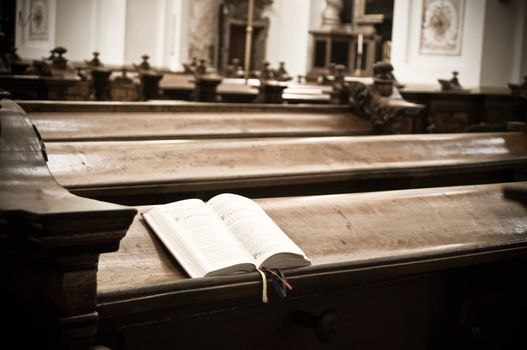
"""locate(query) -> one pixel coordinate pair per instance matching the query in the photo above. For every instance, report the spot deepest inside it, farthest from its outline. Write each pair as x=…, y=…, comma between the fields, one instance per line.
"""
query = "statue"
x=331, y=14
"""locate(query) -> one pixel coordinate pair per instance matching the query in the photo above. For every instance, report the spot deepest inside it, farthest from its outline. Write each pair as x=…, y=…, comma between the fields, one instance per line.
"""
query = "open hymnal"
x=226, y=235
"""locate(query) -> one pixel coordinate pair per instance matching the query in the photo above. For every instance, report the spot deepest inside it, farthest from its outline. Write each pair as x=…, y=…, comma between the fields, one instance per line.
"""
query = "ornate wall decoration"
x=38, y=21
x=203, y=28
x=442, y=27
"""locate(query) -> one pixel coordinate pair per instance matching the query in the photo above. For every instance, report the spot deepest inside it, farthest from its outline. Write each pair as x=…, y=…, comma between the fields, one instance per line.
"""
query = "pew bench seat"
x=97, y=126
x=138, y=171
x=407, y=269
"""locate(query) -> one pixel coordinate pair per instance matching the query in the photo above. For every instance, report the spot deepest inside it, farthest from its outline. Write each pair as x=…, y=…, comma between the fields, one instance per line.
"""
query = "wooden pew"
x=142, y=121
x=430, y=268
x=176, y=86
x=427, y=268
x=50, y=242
x=387, y=112
x=164, y=170
x=455, y=111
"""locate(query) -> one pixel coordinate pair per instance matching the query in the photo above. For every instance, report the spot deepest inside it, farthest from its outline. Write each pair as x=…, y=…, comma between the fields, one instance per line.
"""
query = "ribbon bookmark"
x=264, y=286
x=280, y=284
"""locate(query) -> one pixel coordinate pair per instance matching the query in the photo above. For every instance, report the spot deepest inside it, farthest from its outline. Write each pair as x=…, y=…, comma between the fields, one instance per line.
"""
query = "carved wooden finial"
x=59, y=61
x=452, y=84
x=94, y=62
x=384, y=78
x=144, y=65
x=235, y=69
x=519, y=89
x=201, y=68
x=52, y=55
x=281, y=73
x=266, y=73
x=60, y=50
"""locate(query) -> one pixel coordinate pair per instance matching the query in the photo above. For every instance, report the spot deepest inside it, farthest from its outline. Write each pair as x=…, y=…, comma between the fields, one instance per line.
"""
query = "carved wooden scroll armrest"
x=381, y=102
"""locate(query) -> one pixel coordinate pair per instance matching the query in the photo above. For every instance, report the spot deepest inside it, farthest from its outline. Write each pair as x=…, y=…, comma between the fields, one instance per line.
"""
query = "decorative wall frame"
x=442, y=27
x=39, y=20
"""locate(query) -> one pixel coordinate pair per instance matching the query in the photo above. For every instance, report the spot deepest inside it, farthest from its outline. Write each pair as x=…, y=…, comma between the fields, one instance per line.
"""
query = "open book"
x=228, y=234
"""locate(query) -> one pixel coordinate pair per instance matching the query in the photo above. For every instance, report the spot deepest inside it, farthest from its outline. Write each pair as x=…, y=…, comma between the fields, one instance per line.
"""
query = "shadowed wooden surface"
x=349, y=230
x=205, y=164
x=71, y=126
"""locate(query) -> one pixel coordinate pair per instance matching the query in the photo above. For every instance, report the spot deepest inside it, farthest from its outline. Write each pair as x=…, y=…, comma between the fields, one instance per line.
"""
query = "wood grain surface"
x=172, y=106
x=202, y=164
x=349, y=230
x=71, y=126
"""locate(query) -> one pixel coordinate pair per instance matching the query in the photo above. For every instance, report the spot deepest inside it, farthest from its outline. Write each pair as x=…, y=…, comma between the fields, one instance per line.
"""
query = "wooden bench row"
x=139, y=172
x=123, y=125
x=114, y=120
x=394, y=269
x=406, y=269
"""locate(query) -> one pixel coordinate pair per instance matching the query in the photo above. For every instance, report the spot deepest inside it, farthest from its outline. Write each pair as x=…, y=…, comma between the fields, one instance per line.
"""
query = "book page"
x=204, y=235
x=253, y=227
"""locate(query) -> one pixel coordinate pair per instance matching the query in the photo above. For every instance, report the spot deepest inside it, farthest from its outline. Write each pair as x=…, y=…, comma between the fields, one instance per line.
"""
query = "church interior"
x=384, y=139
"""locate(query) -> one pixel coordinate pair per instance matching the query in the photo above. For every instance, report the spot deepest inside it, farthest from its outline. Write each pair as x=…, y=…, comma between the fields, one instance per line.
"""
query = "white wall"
x=75, y=30
x=177, y=35
x=85, y=26
x=493, y=45
x=109, y=24
x=412, y=67
x=289, y=35
x=145, y=32
x=157, y=28
x=502, y=42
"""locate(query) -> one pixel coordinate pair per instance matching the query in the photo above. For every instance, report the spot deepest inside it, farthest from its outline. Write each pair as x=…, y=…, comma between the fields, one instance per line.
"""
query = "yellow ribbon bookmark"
x=264, y=286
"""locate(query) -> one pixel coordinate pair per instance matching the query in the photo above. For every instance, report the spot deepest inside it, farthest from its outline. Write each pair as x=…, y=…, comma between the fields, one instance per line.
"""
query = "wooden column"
x=272, y=91
x=206, y=88
x=150, y=85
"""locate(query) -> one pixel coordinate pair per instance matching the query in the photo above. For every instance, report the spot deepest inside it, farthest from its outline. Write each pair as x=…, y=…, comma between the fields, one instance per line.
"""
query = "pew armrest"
x=50, y=243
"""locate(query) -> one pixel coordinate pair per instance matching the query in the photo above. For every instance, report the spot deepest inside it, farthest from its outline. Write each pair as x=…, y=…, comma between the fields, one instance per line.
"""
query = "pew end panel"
x=50, y=244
